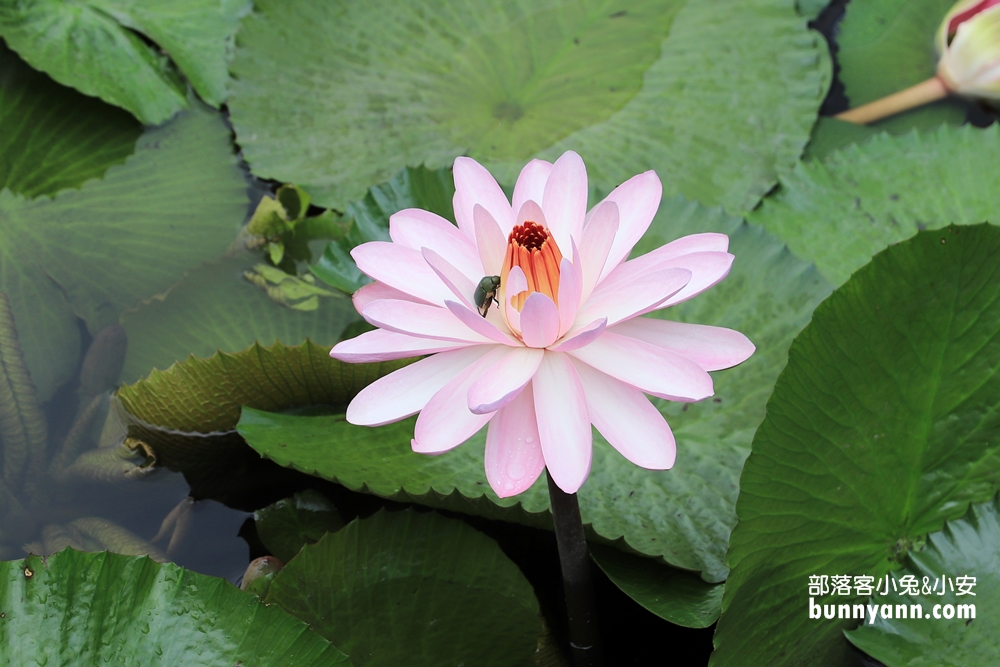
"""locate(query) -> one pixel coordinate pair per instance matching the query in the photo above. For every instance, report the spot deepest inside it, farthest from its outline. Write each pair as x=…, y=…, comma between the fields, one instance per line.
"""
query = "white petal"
x=531, y=183
x=712, y=348
x=421, y=321
x=475, y=185
x=382, y=345
x=513, y=457
x=565, y=199
x=652, y=369
x=406, y=391
x=627, y=419
x=415, y=228
x=501, y=382
x=563, y=421
x=446, y=421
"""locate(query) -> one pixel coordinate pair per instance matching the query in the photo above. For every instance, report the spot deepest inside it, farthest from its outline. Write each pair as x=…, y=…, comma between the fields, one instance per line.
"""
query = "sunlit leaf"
x=98, y=47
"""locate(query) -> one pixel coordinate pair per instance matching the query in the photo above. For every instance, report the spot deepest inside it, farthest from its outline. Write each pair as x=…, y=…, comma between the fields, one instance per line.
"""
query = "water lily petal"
x=707, y=269
x=481, y=325
x=376, y=291
x=712, y=348
x=418, y=229
x=570, y=287
x=627, y=419
x=420, y=320
x=629, y=299
x=530, y=210
x=382, y=345
x=406, y=391
x=513, y=457
x=491, y=241
x=531, y=183
x=637, y=200
x=474, y=185
x=563, y=421
x=598, y=237
x=456, y=281
x=581, y=336
x=652, y=369
x=565, y=199
x=539, y=321
x=445, y=421
x=402, y=268
x=501, y=382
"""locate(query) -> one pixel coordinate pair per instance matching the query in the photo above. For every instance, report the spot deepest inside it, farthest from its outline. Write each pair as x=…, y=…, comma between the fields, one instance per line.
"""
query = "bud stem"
x=931, y=90
x=574, y=558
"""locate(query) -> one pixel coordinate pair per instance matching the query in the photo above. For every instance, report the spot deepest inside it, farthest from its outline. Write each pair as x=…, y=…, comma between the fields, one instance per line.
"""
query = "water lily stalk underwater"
x=564, y=347
x=968, y=48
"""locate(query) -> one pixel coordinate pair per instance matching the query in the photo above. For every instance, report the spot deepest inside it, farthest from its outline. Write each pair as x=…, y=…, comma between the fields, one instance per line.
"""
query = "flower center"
x=532, y=248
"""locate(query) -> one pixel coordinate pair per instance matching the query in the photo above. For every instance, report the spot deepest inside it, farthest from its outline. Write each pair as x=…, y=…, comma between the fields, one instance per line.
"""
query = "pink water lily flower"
x=565, y=346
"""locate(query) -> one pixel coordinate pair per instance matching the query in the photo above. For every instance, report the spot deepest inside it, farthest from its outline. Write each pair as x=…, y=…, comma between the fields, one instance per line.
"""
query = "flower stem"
x=931, y=90
x=574, y=558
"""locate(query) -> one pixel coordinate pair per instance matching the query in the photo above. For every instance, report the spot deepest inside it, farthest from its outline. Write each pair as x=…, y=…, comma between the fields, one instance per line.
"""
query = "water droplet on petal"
x=529, y=440
x=508, y=486
x=516, y=471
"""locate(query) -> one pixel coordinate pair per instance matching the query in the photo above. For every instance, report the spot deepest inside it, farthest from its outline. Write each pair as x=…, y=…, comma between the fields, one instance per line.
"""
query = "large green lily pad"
x=717, y=97
x=883, y=425
x=886, y=46
x=683, y=515
x=966, y=548
x=215, y=308
x=840, y=211
x=404, y=588
x=98, y=47
x=76, y=608
x=93, y=252
x=52, y=137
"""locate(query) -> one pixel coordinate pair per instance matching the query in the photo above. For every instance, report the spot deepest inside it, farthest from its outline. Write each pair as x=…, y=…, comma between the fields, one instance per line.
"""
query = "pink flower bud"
x=968, y=45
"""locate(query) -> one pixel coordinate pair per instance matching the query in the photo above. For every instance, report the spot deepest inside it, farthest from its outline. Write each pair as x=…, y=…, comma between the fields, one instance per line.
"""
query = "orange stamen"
x=531, y=247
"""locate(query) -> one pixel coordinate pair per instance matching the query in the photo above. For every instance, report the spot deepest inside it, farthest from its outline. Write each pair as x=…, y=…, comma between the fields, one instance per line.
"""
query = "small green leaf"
x=76, y=608
x=53, y=138
x=967, y=547
x=884, y=424
x=403, y=588
x=287, y=525
x=675, y=595
x=97, y=47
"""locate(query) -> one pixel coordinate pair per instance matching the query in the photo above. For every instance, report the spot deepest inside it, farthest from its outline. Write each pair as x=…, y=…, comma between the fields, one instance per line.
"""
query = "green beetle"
x=486, y=293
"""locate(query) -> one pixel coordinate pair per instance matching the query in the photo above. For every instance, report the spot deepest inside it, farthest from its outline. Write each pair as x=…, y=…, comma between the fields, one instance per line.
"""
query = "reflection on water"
x=71, y=477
